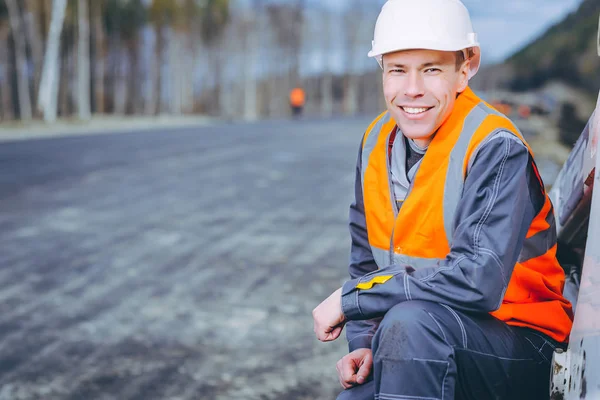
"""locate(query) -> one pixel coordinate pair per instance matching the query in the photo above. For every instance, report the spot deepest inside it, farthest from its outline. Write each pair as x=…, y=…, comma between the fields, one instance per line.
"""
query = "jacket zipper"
x=393, y=197
x=392, y=194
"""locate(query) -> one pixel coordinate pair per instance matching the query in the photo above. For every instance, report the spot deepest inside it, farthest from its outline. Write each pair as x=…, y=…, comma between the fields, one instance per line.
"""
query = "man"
x=455, y=291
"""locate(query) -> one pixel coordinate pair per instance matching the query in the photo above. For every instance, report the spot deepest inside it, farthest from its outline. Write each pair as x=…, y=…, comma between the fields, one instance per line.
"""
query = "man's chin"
x=416, y=134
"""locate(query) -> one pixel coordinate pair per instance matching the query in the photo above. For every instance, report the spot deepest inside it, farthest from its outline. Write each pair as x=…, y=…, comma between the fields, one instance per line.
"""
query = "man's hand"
x=354, y=368
x=328, y=317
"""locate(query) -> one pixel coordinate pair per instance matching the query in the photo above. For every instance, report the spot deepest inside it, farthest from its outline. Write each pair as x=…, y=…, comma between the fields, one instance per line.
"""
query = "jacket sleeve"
x=360, y=333
x=501, y=197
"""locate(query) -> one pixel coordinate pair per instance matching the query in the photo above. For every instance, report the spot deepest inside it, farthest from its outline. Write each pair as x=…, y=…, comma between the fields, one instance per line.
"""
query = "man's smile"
x=414, y=112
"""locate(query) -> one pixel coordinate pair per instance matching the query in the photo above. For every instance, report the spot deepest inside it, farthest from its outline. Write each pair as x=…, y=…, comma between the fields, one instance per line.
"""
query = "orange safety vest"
x=422, y=231
x=297, y=97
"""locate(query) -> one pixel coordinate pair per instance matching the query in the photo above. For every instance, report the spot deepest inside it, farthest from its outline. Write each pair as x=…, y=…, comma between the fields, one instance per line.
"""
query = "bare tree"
x=214, y=20
x=32, y=25
x=174, y=64
x=125, y=19
x=177, y=33
x=83, y=61
x=327, y=75
x=189, y=16
x=252, y=30
x=47, y=98
x=66, y=90
x=5, y=86
x=154, y=104
x=296, y=42
x=282, y=19
x=133, y=20
x=99, y=54
x=353, y=25
x=21, y=57
x=161, y=14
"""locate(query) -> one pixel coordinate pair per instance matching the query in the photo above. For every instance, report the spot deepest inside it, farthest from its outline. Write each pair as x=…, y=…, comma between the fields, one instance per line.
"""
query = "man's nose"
x=414, y=85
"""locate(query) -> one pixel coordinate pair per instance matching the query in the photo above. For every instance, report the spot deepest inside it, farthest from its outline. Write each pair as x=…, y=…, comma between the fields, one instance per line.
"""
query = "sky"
x=506, y=26
x=503, y=26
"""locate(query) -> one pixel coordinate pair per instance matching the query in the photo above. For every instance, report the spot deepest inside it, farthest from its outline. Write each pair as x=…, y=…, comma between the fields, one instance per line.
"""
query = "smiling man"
x=455, y=288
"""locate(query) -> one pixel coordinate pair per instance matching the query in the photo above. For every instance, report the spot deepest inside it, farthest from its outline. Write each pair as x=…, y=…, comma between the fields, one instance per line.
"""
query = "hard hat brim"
x=475, y=58
x=422, y=44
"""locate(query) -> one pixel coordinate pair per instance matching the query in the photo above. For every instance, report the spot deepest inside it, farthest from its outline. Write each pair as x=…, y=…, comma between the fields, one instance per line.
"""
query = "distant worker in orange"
x=297, y=100
x=524, y=111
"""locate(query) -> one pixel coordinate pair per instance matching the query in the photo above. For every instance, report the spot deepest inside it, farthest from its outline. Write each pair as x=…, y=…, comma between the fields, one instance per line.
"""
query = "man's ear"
x=463, y=80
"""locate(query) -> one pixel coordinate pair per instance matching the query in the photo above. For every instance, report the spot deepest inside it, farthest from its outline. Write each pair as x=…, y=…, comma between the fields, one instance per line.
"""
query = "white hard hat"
x=425, y=24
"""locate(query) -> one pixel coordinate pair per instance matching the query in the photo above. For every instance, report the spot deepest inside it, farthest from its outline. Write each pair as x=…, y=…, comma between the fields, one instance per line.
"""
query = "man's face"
x=420, y=88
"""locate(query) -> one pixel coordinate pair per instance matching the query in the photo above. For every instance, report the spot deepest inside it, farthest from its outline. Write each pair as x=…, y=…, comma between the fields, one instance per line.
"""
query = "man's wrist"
x=350, y=306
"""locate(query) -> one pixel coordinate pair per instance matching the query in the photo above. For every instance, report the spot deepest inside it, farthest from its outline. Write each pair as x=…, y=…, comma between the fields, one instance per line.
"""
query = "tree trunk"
x=83, y=61
x=216, y=103
x=120, y=88
x=46, y=18
x=64, y=90
x=250, y=29
x=150, y=92
x=351, y=93
x=274, y=72
x=21, y=60
x=99, y=53
x=354, y=27
x=327, y=94
x=189, y=84
x=134, y=73
x=159, y=49
x=6, y=88
x=174, y=72
x=327, y=75
x=32, y=24
x=224, y=95
x=297, y=45
x=47, y=98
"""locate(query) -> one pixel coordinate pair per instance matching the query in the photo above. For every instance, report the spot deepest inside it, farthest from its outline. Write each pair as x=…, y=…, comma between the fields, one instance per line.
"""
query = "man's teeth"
x=412, y=110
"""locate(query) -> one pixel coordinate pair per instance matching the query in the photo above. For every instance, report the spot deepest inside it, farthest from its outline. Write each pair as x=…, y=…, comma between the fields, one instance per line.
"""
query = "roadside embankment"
x=11, y=131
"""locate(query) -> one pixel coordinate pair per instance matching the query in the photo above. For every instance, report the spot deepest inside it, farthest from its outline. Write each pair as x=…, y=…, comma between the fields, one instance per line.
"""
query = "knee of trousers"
x=409, y=330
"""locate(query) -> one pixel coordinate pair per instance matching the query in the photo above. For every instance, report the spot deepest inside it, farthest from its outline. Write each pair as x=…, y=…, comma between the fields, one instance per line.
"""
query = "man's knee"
x=408, y=330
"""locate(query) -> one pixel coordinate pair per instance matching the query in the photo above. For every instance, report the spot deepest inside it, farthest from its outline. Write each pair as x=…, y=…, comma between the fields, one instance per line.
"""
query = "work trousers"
x=429, y=351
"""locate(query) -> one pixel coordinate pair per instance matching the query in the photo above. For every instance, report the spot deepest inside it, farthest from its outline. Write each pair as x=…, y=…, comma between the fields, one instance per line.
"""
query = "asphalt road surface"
x=180, y=264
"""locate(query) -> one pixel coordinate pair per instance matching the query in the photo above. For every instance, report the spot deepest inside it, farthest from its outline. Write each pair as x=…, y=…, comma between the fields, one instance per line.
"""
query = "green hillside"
x=565, y=52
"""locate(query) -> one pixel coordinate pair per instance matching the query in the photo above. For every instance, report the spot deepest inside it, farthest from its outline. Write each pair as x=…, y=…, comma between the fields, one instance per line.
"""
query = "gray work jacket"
x=501, y=197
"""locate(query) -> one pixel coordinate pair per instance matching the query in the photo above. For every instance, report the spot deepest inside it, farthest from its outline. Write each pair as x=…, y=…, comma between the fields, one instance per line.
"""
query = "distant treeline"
x=77, y=58
x=566, y=52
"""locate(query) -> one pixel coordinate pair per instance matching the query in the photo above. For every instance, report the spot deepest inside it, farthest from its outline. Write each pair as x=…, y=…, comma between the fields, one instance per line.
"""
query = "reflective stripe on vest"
x=382, y=257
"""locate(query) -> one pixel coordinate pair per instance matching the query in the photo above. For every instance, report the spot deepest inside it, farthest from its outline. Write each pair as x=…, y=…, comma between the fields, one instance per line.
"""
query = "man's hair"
x=462, y=56
x=460, y=59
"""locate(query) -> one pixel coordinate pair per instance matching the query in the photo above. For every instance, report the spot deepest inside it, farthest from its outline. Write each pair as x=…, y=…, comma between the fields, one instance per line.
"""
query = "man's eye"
x=397, y=71
x=433, y=70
